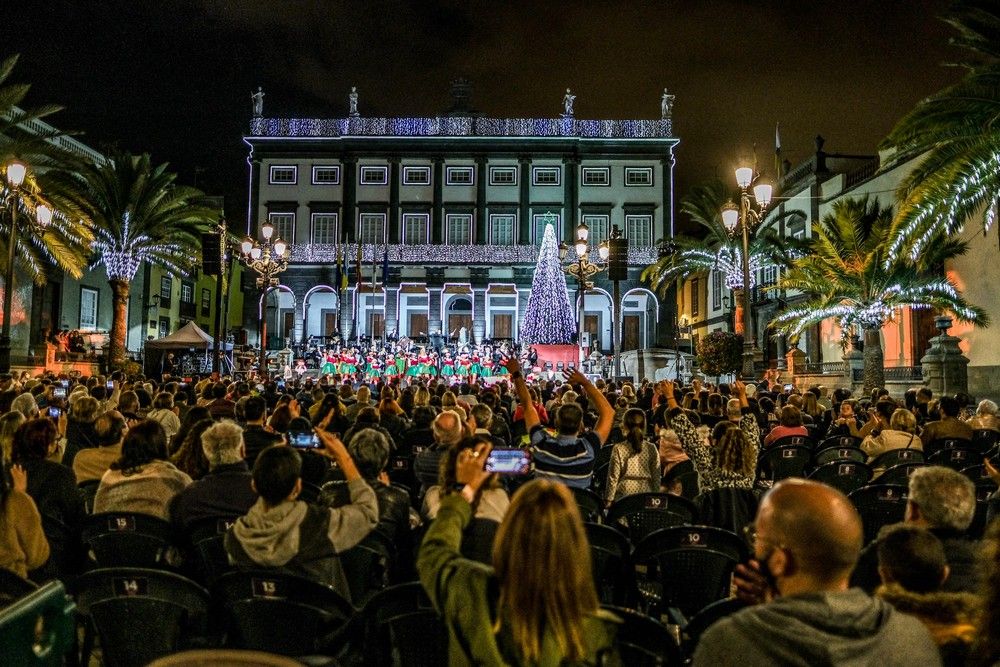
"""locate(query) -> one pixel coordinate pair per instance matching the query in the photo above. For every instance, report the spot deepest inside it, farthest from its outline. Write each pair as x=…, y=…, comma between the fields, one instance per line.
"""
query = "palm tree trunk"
x=874, y=369
x=119, y=325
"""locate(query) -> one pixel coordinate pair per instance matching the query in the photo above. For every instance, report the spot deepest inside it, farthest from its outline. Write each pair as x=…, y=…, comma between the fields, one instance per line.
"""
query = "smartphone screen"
x=54, y=412
x=64, y=383
x=303, y=440
x=59, y=392
x=110, y=384
x=509, y=462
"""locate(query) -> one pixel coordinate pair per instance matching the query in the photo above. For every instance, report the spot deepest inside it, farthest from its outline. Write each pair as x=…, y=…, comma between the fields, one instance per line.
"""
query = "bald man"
x=806, y=540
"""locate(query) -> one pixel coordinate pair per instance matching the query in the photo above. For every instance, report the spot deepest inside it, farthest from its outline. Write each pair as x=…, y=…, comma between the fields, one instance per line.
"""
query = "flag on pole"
x=385, y=264
x=358, y=266
x=777, y=152
x=341, y=273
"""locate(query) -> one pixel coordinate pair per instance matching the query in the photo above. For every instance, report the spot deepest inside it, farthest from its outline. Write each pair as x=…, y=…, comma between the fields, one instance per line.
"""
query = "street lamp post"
x=267, y=260
x=16, y=174
x=583, y=270
x=750, y=212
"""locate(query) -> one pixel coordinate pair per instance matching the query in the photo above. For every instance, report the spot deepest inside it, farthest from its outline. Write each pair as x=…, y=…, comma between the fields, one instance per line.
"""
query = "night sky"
x=173, y=77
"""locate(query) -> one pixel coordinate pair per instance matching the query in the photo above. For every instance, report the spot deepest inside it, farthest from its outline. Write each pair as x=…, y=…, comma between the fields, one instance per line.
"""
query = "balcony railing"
x=327, y=253
x=904, y=374
x=824, y=368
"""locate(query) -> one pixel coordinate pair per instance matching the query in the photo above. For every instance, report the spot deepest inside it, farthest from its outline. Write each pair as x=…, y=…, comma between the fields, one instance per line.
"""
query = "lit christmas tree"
x=549, y=319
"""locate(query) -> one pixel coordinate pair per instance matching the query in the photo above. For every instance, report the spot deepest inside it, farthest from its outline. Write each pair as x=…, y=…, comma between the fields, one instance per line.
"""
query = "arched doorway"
x=319, y=312
x=278, y=312
x=459, y=315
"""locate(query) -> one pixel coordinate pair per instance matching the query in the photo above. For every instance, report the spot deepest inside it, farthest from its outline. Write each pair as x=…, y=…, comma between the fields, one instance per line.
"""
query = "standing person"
x=516, y=612
x=634, y=466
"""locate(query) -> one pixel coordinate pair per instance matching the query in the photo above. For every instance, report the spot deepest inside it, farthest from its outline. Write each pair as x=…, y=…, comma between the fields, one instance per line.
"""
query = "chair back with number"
x=778, y=463
x=879, y=505
x=846, y=475
x=824, y=456
x=896, y=456
x=643, y=513
x=207, y=541
x=123, y=539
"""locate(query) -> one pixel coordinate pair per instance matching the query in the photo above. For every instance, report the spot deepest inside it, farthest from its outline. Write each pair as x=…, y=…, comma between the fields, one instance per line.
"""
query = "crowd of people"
x=304, y=468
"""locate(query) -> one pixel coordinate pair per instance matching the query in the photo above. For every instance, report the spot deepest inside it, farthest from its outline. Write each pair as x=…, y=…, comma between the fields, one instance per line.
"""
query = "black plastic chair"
x=369, y=566
x=599, y=478
x=727, y=508
x=207, y=546
x=401, y=628
x=310, y=492
x=279, y=613
x=777, y=463
x=898, y=474
x=705, y=618
x=946, y=443
x=591, y=505
x=688, y=567
x=88, y=491
x=119, y=539
x=879, y=505
x=897, y=456
x=611, y=563
x=984, y=440
x=830, y=454
x=643, y=641
x=956, y=458
x=797, y=440
x=39, y=628
x=13, y=586
x=686, y=476
x=139, y=614
x=839, y=441
x=644, y=513
x=845, y=475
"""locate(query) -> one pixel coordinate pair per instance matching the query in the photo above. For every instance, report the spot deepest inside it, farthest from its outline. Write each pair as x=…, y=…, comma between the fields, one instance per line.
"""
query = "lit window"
x=415, y=226
x=187, y=293
x=459, y=229
x=716, y=290
x=540, y=220
x=598, y=228
x=284, y=226
x=88, y=308
x=638, y=176
x=502, y=228
x=324, y=228
x=596, y=176
x=545, y=176
x=371, y=175
x=503, y=175
x=283, y=174
x=206, y=302
x=459, y=176
x=416, y=175
x=371, y=228
x=639, y=230
x=166, y=291
x=326, y=175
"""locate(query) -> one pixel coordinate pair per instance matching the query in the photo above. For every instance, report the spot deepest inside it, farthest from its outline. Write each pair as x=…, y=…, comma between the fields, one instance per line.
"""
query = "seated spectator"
x=368, y=418
x=142, y=480
x=190, y=456
x=948, y=426
x=987, y=417
x=420, y=433
x=847, y=421
x=490, y=503
x=635, y=464
x=25, y=404
x=943, y=501
x=280, y=418
x=481, y=416
x=292, y=536
x=9, y=423
x=568, y=456
x=789, y=424
x=92, y=463
x=913, y=566
x=164, y=412
x=986, y=649
x=363, y=399
x=221, y=407
x=330, y=403
x=256, y=437
x=227, y=489
x=128, y=406
x=670, y=449
x=447, y=430
x=806, y=540
x=505, y=614
x=194, y=415
x=729, y=458
x=80, y=427
x=901, y=434
x=23, y=545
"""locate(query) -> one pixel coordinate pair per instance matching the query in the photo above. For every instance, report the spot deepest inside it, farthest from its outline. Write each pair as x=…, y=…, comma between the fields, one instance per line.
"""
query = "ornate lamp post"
x=583, y=270
x=740, y=219
x=267, y=260
x=16, y=174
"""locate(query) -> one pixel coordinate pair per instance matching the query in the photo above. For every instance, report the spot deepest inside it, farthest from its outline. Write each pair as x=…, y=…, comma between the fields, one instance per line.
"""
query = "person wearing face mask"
x=806, y=539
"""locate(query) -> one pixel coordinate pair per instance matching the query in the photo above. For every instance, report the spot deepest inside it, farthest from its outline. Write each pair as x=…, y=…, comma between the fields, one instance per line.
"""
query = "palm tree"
x=140, y=216
x=958, y=131
x=850, y=274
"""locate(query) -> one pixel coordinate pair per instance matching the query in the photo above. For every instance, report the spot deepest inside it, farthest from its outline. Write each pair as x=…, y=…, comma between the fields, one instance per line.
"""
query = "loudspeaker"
x=211, y=254
x=617, y=259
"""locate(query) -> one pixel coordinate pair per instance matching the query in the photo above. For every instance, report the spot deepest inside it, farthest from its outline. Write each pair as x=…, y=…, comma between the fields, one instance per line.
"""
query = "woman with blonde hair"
x=9, y=423
x=537, y=604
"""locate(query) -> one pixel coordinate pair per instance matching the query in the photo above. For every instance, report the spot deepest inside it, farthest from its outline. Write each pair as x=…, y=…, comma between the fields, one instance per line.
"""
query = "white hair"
x=223, y=443
x=986, y=407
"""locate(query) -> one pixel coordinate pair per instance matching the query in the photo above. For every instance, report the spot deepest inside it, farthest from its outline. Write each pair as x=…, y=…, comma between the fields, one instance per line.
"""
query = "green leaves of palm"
x=851, y=273
x=138, y=212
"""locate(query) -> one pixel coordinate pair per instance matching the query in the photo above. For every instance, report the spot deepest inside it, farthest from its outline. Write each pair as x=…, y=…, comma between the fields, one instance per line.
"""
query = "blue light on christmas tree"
x=549, y=318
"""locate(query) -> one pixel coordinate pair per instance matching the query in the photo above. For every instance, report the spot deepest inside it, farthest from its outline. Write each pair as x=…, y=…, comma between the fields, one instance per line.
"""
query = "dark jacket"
x=79, y=435
x=256, y=440
x=302, y=539
x=426, y=465
x=847, y=628
x=962, y=561
x=224, y=492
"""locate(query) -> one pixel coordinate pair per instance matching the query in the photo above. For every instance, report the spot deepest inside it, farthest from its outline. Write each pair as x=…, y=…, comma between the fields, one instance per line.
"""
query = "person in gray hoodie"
x=293, y=536
x=806, y=540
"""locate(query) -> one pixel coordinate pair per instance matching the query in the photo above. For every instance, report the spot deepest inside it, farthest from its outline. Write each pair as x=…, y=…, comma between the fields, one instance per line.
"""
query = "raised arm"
x=605, y=413
x=531, y=419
